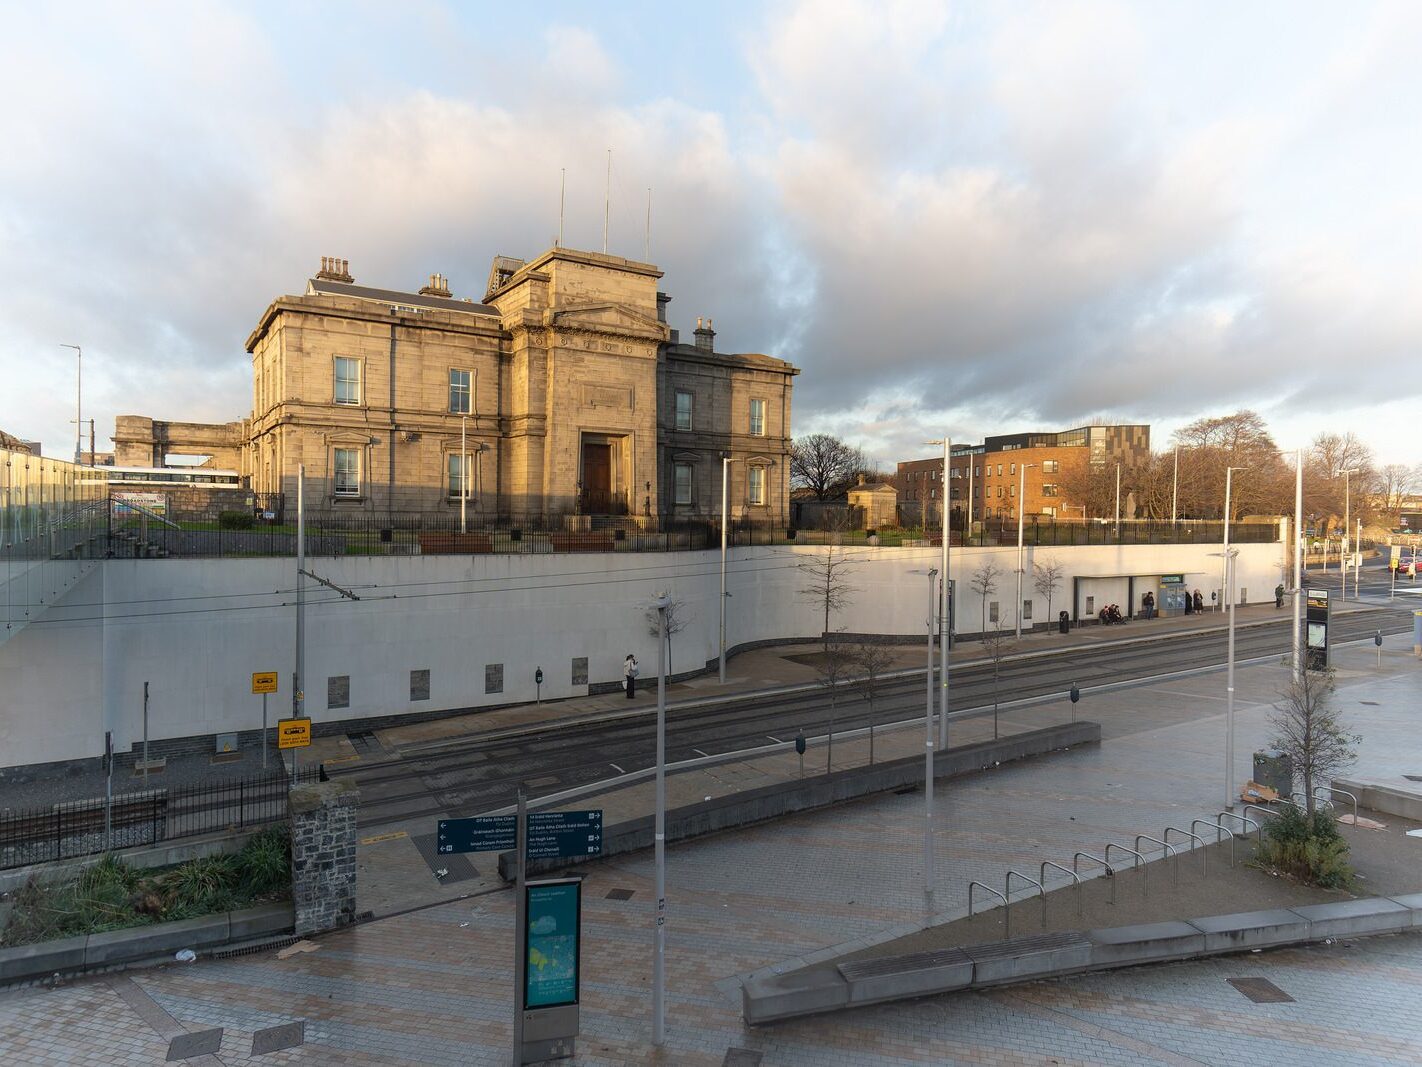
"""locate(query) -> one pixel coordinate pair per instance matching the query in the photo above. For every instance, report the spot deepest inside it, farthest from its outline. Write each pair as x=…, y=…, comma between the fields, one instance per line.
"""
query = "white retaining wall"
x=195, y=630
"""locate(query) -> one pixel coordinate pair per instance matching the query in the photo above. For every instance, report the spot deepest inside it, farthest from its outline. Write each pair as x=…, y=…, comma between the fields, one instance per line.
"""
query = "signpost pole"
x=659, y=945
x=145, y=729
x=520, y=925
x=264, y=732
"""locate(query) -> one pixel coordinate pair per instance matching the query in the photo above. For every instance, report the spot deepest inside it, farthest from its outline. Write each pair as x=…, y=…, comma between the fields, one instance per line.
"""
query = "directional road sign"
x=560, y=834
x=487, y=833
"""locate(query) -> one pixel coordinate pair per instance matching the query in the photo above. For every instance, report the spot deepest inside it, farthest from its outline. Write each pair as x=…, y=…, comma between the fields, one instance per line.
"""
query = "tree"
x=871, y=659
x=827, y=584
x=1309, y=731
x=997, y=645
x=984, y=583
x=832, y=667
x=1395, y=482
x=824, y=464
x=1209, y=446
x=1047, y=579
x=677, y=617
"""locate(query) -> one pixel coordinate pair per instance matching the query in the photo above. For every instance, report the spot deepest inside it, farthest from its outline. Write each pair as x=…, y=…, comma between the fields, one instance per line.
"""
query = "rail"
x=1265, y=811
x=1042, y=876
x=1248, y=822
x=1166, y=852
x=1110, y=871
x=994, y=892
x=1351, y=796
x=1219, y=828
x=1204, y=856
x=1007, y=895
x=1139, y=858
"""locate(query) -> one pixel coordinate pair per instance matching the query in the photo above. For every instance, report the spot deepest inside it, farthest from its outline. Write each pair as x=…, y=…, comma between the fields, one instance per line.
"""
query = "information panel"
x=552, y=942
x=1316, y=630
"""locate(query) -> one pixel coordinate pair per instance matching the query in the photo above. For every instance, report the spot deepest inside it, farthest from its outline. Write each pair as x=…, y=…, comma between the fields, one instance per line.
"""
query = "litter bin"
x=1063, y=621
x=1273, y=769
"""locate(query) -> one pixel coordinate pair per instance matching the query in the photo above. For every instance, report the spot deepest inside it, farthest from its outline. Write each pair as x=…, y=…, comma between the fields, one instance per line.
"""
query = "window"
x=1012, y=490
x=683, y=411
x=459, y=392
x=420, y=685
x=493, y=678
x=1049, y=489
x=681, y=481
x=347, y=472
x=757, y=418
x=1012, y=468
x=1050, y=512
x=347, y=380
x=457, y=477
x=757, y=485
x=338, y=691
x=977, y=472
x=999, y=492
x=1026, y=611
x=992, y=611
x=580, y=670
x=999, y=470
x=1049, y=466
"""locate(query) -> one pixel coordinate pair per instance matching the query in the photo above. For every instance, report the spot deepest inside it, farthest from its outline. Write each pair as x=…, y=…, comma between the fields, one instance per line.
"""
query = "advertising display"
x=553, y=911
x=1316, y=633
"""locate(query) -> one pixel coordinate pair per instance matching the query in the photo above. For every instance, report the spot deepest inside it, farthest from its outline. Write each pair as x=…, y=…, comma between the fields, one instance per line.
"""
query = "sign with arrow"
x=551, y=834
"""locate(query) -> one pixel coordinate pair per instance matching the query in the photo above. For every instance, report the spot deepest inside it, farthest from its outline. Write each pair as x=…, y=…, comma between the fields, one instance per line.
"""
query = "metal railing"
x=144, y=817
x=1166, y=852
x=1326, y=797
x=1110, y=871
x=986, y=889
x=1219, y=828
x=1076, y=878
x=1204, y=856
x=1007, y=896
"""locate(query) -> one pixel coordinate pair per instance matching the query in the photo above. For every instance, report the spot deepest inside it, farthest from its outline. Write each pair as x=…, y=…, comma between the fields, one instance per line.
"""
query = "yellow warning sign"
x=264, y=681
x=293, y=733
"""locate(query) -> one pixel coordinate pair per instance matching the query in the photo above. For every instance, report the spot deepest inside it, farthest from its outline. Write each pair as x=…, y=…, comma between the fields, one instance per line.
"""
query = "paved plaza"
x=432, y=986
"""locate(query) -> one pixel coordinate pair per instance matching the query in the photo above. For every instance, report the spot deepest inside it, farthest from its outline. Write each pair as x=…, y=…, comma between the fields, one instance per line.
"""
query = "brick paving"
x=433, y=986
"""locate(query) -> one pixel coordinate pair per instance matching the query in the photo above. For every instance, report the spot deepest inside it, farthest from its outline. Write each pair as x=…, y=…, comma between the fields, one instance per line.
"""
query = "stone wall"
x=323, y=855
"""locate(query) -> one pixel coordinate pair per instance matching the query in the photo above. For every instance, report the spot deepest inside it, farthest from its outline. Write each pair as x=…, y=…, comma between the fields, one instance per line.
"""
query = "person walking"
x=629, y=672
x=1279, y=595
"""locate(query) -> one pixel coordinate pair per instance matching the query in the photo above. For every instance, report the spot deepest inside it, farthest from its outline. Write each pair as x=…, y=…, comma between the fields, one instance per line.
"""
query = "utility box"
x=1274, y=770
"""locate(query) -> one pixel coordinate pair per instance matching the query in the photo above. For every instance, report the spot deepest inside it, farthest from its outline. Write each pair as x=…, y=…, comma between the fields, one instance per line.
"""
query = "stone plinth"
x=323, y=855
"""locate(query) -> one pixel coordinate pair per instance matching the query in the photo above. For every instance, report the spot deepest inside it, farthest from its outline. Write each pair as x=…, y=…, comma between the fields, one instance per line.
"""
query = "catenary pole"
x=659, y=943
x=945, y=626
x=725, y=515
x=1175, y=487
x=1298, y=567
x=928, y=752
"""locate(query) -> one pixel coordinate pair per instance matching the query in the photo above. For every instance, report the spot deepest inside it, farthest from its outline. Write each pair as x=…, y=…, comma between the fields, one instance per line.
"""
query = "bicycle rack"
x=1265, y=811
x=1007, y=895
x=1350, y=796
x=1246, y=821
x=1137, y=862
x=1219, y=828
x=1110, y=871
x=994, y=892
x=1166, y=852
x=1204, y=856
x=1042, y=876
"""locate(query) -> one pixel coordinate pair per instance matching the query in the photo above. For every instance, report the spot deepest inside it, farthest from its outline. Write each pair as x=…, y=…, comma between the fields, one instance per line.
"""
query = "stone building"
x=560, y=397
x=992, y=471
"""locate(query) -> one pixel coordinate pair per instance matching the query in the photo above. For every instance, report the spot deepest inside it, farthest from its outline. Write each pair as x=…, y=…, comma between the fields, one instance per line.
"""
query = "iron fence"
x=1035, y=532
x=144, y=817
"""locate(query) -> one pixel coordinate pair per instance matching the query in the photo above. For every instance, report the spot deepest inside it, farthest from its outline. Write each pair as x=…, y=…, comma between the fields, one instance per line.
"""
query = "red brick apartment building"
x=992, y=470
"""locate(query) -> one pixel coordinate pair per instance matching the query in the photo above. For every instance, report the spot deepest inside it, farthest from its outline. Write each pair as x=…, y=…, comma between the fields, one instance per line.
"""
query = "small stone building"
x=874, y=504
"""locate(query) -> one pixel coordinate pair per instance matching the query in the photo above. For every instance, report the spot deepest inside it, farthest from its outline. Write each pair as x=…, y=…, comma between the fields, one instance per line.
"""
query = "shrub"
x=1311, y=849
x=236, y=520
x=264, y=863
x=200, y=886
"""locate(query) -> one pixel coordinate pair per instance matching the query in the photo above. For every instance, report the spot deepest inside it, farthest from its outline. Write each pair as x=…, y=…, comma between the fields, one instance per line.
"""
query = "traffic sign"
x=564, y=834
x=293, y=733
x=485, y=833
x=264, y=681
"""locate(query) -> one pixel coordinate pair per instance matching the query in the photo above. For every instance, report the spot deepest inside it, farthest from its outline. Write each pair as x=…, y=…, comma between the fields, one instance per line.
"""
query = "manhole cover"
x=620, y=894
x=741, y=1057
x=190, y=1046
x=1261, y=990
x=276, y=1038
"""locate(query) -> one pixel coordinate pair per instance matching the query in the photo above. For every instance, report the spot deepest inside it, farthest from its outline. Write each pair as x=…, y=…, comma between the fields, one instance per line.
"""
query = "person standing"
x=1189, y=603
x=1279, y=595
x=1199, y=603
x=629, y=673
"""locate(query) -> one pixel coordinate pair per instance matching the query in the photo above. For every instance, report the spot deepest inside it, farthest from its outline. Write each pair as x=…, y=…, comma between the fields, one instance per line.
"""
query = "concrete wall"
x=195, y=630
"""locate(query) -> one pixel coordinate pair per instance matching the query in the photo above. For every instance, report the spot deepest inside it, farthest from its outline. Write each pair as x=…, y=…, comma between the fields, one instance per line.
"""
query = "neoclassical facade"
x=561, y=393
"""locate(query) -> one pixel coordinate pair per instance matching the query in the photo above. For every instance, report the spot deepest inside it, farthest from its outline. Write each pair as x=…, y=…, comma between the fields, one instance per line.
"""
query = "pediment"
x=607, y=317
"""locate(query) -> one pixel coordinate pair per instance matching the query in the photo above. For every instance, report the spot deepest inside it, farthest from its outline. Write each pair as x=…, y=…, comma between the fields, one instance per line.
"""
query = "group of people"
x=1111, y=613
x=1194, y=603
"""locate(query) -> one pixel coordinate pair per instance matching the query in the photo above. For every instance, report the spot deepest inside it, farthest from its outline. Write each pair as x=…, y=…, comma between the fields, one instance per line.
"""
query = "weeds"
x=1310, y=848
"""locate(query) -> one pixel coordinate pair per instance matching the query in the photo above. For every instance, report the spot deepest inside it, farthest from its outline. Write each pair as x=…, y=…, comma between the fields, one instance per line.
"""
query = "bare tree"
x=678, y=615
x=984, y=583
x=824, y=464
x=997, y=644
x=827, y=584
x=1309, y=731
x=872, y=660
x=1394, y=484
x=1047, y=579
x=833, y=667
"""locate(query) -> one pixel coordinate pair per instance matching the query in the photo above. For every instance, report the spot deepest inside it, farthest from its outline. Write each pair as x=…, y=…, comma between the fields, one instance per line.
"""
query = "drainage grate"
x=365, y=742
x=456, y=865
x=742, y=1057
x=276, y=1038
x=620, y=894
x=261, y=946
x=189, y=1046
x=1261, y=990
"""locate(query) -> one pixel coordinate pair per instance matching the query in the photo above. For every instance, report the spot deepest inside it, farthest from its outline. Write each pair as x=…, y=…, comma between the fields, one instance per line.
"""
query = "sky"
x=968, y=218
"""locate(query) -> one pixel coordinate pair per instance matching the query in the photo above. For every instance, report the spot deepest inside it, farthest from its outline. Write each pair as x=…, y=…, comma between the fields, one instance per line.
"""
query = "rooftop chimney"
x=438, y=286
x=705, y=336
x=334, y=270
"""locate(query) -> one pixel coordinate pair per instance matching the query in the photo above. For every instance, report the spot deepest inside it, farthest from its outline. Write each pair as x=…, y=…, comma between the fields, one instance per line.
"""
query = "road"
x=471, y=775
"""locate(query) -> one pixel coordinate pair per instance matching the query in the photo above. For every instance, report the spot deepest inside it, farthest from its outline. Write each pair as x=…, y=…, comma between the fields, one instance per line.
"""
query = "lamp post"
x=945, y=617
x=1343, y=546
x=932, y=573
x=1298, y=566
x=725, y=516
x=78, y=403
x=1225, y=593
x=463, y=472
x=1229, y=555
x=1021, y=515
x=659, y=936
x=968, y=529
x=1118, y=501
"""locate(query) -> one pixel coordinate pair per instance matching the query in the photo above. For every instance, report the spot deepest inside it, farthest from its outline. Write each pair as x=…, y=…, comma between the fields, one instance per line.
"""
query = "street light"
x=726, y=462
x=932, y=573
x=1118, y=500
x=78, y=403
x=1229, y=476
x=945, y=619
x=1298, y=566
x=1021, y=514
x=659, y=938
x=1229, y=554
x=1347, y=518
